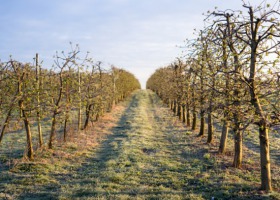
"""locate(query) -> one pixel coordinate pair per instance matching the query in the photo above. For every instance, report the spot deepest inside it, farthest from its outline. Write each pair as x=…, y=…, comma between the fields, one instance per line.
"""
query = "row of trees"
x=75, y=91
x=230, y=72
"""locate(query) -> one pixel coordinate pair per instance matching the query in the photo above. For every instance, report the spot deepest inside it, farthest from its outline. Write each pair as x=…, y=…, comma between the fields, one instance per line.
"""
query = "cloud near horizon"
x=139, y=36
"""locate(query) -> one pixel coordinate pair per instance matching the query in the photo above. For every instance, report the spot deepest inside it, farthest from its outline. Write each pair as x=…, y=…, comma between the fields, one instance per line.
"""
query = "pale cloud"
x=138, y=35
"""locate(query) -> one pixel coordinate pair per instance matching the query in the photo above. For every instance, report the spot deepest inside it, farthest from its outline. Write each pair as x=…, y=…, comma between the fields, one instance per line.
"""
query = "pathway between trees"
x=146, y=154
x=143, y=157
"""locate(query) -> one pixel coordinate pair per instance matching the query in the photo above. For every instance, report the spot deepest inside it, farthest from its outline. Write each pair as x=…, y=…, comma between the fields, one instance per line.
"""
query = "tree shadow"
x=90, y=172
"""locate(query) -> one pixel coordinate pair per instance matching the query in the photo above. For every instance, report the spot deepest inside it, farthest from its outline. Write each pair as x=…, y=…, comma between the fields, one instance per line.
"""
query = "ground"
x=138, y=151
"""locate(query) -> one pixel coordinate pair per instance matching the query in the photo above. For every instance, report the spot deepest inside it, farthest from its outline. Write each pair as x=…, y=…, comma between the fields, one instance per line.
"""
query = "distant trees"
x=231, y=71
x=72, y=94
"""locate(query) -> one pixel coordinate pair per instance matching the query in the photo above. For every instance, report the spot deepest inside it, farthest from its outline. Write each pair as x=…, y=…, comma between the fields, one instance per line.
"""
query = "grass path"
x=141, y=152
x=139, y=159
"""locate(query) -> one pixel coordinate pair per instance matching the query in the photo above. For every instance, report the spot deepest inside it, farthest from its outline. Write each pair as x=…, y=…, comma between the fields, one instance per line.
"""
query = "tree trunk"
x=39, y=128
x=30, y=154
x=87, y=115
x=194, y=120
x=65, y=129
x=55, y=111
x=224, y=135
x=210, y=128
x=202, y=124
x=223, y=140
x=52, y=134
x=193, y=108
x=5, y=124
x=184, y=113
x=188, y=117
x=237, y=162
x=169, y=104
x=28, y=137
x=265, y=158
x=179, y=111
x=175, y=107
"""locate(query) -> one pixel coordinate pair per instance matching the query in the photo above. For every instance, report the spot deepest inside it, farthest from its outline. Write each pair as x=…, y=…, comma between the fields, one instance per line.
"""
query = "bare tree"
x=61, y=63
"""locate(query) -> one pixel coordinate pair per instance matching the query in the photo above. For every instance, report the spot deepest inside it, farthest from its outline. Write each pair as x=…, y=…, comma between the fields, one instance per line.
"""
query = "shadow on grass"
x=202, y=175
x=197, y=171
x=254, y=146
x=82, y=181
x=86, y=178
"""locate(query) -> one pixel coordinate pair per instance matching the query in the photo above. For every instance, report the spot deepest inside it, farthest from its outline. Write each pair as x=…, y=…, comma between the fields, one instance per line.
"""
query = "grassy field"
x=139, y=151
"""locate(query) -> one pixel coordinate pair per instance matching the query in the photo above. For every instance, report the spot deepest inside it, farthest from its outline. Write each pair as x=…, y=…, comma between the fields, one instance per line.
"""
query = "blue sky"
x=137, y=35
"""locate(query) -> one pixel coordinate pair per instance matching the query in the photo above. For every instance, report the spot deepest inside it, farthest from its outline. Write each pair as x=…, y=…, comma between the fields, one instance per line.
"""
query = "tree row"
x=73, y=94
x=229, y=73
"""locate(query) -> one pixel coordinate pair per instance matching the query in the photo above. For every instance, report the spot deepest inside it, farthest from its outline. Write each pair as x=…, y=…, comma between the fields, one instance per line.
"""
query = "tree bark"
x=87, y=115
x=210, y=128
x=223, y=140
x=224, y=135
x=188, y=117
x=237, y=162
x=5, y=124
x=255, y=101
x=184, y=113
x=202, y=124
x=30, y=153
x=65, y=128
x=52, y=134
x=179, y=111
x=175, y=107
x=265, y=158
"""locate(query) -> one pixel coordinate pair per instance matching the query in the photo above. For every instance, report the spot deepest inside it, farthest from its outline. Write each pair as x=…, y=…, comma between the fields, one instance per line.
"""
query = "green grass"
x=145, y=154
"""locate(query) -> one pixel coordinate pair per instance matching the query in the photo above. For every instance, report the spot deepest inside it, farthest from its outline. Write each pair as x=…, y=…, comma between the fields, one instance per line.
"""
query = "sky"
x=136, y=35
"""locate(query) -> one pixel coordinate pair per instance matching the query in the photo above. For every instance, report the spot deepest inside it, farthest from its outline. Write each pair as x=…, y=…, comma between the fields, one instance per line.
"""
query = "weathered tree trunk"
x=210, y=110
x=202, y=123
x=88, y=109
x=188, y=116
x=179, y=111
x=265, y=158
x=5, y=124
x=263, y=123
x=237, y=161
x=223, y=140
x=193, y=107
x=210, y=128
x=194, y=121
x=175, y=107
x=30, y=153
x=65, y=128
x=184, y=113
x=55, y=111
x=224, y=135
x=52, y=134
